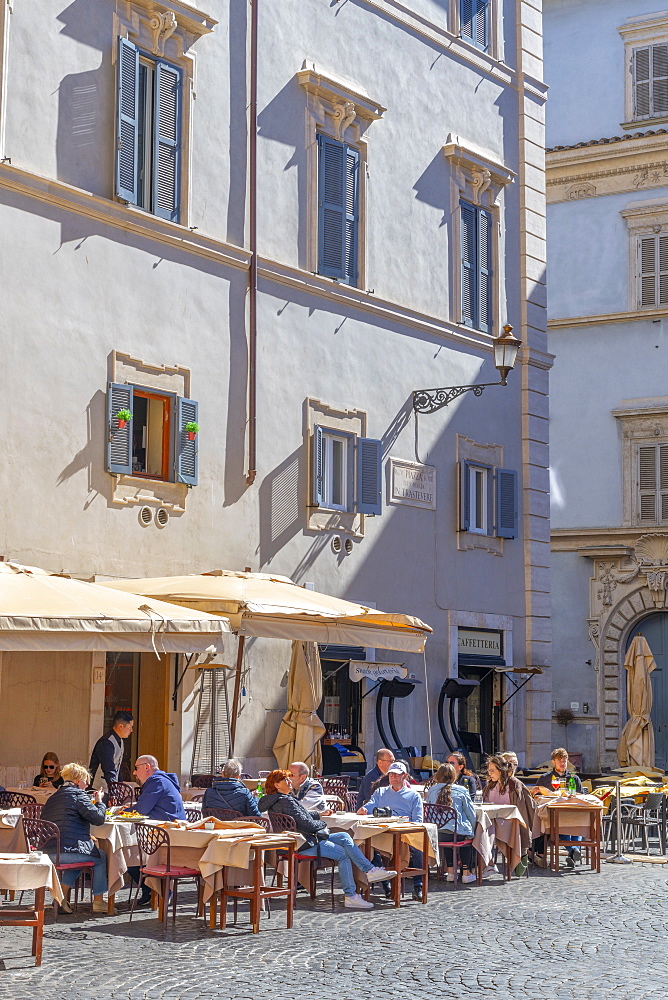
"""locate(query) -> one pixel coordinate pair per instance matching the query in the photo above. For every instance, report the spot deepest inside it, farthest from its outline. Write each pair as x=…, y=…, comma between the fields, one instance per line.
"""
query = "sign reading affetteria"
x=479, y=642
x=412, y=484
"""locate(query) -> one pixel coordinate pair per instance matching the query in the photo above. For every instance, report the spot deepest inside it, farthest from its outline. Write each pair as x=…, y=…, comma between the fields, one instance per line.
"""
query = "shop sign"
x=478, y=643
x=375, y=671
x=412, y=484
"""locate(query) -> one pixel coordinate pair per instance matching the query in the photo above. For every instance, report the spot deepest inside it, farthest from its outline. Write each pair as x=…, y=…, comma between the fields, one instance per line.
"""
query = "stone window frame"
x=494, y=49
x=643, y=422
x=478, y=177
x=334, y=109
x=174, y=380
x=642, y=218
x=166, y=29
x=489, y=455
x=352, y=423
x=638, y=32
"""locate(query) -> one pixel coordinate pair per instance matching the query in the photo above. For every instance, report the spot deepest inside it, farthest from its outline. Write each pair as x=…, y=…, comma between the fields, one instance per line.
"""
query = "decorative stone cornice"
x=338, y=100
x=597, y=542
x=630, y=163
x=168, y=12
x=477, y=171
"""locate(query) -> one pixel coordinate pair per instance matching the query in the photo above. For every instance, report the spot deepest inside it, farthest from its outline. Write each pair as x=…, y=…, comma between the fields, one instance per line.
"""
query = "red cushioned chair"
x=442, y=815
x=150, y=840
x=282, y=824
x=45, y=836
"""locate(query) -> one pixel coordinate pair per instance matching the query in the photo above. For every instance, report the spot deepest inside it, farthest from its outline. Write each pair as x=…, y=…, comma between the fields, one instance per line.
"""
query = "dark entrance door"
x=655, y=630
x=475, y=712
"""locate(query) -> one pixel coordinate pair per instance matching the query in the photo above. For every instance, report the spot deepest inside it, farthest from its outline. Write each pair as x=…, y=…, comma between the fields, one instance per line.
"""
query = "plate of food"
x=129, y=817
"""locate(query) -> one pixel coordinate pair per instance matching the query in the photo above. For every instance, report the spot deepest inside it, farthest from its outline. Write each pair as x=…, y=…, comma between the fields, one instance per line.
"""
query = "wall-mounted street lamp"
x=505, y=354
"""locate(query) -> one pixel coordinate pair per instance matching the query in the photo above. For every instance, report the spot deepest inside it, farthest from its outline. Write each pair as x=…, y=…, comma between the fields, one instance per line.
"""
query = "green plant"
x=124, y=415
x=192, y=427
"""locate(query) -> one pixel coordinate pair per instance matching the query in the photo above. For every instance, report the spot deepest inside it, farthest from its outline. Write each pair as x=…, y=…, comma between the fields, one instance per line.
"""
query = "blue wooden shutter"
x=506, y=503
x=481, y=24
x=369, y=476
x=484, y=255
x=466, y=18
x=167, y=142
x=127, y=125
x=352, y=213
x=318, y=466
x=331, y=207
x=464, y=496
x=186, y=450
x=469, y=263
x=119, y=439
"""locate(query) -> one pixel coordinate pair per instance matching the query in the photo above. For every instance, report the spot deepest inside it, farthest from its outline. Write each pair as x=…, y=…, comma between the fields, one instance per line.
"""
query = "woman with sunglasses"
x=49, y=775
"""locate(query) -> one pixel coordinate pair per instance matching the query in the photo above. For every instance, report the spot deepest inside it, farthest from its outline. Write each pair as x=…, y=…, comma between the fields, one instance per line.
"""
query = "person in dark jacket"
x=160, y=796
x=229, y=792
x=465, y=778
x=49, y=773
x=108, y=751
x=73, y=812
x=319, y=841
x=373, y=778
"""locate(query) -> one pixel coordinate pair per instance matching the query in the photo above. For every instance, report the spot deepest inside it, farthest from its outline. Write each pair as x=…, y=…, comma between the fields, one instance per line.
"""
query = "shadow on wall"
x=433, y=187
x=238, y=128
x=281, y=516
x=91, y=457
x=237, y=391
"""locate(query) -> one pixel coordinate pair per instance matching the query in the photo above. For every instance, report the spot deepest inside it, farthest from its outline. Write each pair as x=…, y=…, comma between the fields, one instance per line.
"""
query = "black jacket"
x=107, y=754
x=71, y=809
x=307, y=823
x=56, y=782
x=230, y=793
x=545, y=780
x=469, y=782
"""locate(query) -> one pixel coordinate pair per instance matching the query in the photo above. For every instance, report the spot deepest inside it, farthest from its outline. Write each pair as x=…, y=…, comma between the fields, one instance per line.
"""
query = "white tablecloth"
x=17, y=873
x=38, y=794
x=12, y=835
x=498, y=824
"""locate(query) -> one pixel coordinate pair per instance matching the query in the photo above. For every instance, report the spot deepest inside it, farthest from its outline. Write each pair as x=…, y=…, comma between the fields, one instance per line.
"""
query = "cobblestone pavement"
x=567, y=937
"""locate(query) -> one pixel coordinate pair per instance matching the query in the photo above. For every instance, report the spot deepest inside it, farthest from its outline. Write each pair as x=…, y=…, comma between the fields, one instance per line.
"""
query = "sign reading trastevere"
x=412, y=484
x=483, y=643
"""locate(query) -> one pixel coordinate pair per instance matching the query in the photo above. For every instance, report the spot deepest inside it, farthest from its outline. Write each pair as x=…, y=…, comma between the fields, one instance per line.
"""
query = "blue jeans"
x=340, y=848
x=70, y=875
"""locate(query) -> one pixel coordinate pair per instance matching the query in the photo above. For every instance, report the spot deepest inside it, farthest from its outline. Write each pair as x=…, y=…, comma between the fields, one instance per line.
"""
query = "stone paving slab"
x=575, y=936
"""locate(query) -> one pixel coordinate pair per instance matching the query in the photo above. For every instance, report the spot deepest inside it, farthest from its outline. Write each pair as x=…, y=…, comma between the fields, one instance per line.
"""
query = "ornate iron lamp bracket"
x=431, y=400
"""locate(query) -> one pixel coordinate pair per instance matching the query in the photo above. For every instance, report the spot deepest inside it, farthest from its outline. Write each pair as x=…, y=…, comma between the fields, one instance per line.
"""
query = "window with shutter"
x=652, y=271
x=474, y=22
x=186, y=445
x=506, y=503
x=652, y=484
x=127, y=121
x=166, y=141
x=650, y=81
x=119, y=438
x=338, y=209
x=476, y=499
x=369, y=476
x=477, y=252
x=346, y=472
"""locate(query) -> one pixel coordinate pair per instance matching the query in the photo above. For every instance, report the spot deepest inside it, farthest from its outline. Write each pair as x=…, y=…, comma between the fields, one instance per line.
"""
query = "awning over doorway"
x=42, y=612
x=259, y=604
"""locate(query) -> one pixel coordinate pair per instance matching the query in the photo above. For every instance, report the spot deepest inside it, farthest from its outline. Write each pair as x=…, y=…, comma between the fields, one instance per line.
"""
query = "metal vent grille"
x=145, y=515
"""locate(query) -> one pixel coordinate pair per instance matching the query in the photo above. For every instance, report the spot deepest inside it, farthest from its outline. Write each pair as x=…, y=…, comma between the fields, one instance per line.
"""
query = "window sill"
x=345, y=522
x=639, y=124
x=132, y=491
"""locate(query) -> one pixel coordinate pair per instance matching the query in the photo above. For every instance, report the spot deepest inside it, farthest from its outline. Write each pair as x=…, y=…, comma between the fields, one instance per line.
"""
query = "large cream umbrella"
x=636, y=744
x=258, y=604
x=299, y=734
x=44, y=612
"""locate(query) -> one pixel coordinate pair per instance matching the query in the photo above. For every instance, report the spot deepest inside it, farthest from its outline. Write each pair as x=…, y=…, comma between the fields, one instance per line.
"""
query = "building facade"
x=275, y=222
x=607, y=184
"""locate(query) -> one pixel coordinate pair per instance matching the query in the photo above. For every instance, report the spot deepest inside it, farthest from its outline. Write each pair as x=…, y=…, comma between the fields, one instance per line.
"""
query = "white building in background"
x=607, y=183
x=287, y=288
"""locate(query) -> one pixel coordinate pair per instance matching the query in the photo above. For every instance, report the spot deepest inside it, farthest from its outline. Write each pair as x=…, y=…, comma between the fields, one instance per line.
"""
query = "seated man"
x=307, y=790
x=229, y=792
x=559, y=771
x=160, y=796
x=378, y=773
x=403, y=801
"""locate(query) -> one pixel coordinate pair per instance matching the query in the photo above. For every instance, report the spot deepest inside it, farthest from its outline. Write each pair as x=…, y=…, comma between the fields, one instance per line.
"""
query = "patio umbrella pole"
x=618, y=858
x=237, y=690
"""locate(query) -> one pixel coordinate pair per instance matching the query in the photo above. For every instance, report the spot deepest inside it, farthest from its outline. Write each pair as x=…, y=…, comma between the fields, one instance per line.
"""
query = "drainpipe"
x=252, y=274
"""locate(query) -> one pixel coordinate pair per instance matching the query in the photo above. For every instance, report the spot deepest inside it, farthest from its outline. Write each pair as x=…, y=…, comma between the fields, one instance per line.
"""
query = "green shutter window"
x=167, y=141
x=369, y=498
x=506, y=503
x=338, y=209
x=119, y=439
x=127, y=124
x=186, y=450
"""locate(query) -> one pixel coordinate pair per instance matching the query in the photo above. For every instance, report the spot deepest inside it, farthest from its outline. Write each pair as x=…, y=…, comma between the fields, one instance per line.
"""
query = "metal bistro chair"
x=609, y=825
x=40, y=834
x=351, y=801
x=204, y=780
x=150, y=840
x=32, y=809
x=651, y=815
x=225, y=814
x=441, y=815
x=197, y=798
x=193, y=815
x=120, y=794
x=335, y=786
x=285, y=824
x=14, y=800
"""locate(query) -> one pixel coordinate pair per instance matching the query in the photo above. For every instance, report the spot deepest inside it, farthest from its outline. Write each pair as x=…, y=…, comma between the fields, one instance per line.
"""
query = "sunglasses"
x=49, y=767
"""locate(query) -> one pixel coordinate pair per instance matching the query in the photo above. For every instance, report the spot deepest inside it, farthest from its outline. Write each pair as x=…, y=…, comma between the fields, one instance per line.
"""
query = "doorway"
x=655, y=630
x=137, y=683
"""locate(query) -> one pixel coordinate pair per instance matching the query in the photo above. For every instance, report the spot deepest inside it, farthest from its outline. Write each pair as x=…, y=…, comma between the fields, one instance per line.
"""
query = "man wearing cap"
x=384, y=758
x=403, y=801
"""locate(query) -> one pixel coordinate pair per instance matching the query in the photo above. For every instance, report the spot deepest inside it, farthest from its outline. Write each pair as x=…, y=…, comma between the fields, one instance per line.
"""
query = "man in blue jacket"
x=229, y=792
x=160, y=796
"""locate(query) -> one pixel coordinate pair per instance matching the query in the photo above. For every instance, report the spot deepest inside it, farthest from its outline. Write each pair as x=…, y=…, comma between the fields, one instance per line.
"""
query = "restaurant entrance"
x=341, y=707
x=137, y=683
x=655, y=630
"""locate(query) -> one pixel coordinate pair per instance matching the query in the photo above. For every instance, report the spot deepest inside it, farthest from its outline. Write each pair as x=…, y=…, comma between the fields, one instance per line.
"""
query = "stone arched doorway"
x=654, y=627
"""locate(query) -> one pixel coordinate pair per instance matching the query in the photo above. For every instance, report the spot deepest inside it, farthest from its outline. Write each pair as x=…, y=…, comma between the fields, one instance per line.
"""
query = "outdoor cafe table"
x=573, y=816
x=500, y=825
x=39, y=794
x=118, y=841
x=393, y=836
x=12, y=834
x=18, y=873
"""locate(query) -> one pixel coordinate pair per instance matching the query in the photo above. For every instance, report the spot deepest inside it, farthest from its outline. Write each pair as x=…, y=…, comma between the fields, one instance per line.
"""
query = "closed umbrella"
x=300, y=731
x=636, y=744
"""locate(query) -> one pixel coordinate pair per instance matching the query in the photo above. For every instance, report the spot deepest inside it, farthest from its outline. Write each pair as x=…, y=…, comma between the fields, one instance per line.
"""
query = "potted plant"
x=564, y=717
x=123, y=417
x=191, y=429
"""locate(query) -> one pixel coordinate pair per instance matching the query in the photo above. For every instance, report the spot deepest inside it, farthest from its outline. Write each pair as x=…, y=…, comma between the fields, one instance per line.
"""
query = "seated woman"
x=49, y=775
x=336, y=846
x=503, y=788
x=74, y=812
x=229, y=792
x=446, y=792
x=466, y=778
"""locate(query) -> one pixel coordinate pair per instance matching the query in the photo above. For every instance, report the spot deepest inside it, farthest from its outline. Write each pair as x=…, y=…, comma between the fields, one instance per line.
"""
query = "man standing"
x=403, y=801
x=307, y=790
x=108, y=751
x=384, y=758
x=160, y=796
